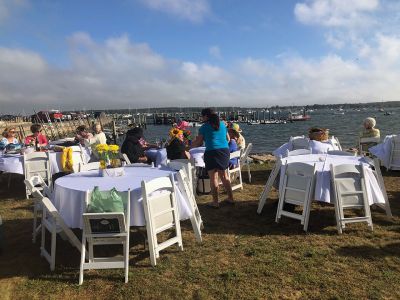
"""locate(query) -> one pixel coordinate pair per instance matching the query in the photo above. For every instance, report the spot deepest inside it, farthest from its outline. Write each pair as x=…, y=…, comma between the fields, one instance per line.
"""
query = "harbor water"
x=345, y=125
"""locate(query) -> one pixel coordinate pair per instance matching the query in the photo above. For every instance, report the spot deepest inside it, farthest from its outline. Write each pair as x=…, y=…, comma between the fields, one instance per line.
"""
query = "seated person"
x=132, y=146
x=176, y=148
x=369, y=129
x=241, y=142
x=82, y=135
x=233, y=137
x=99, y=136
x=37, y=138
x=318, y=134
x=9, y=134
x=319, y=140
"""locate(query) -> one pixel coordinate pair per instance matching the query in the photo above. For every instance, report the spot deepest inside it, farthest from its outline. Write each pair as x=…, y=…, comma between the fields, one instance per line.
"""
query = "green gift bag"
x=106, y=201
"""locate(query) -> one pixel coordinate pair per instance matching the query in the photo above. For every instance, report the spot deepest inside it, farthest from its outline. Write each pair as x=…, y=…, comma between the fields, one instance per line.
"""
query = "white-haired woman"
x=369, y=129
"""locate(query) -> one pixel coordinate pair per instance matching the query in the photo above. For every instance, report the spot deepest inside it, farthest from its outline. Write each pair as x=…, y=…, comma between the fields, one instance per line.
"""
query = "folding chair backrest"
x=349, y=178
x=298, y=152
x=299, y=142
x=342, y=153
x=104, y=224
x=37, y=163
x=394, y=159
x=335, y=142
x=246, y=152
x=37, y=181
x=50, y=209
x=298, y=178
x=77, y=156
x=178, y=164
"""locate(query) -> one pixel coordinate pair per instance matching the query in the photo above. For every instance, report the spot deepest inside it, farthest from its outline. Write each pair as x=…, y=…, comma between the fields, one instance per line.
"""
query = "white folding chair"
x=195, y=219
x=53, y=222
x=161, y=213
x=342, y=153
x=32, y=185
x=89, y=166
x=297, y=189
x=271, y=179
x=335, y=142
x=244, y=159
x=37, y=163
x=77, y=157
x=394, y=158
x=236, y=171
x=378, y=175
x=299, y=142
x=111, y=228
x=367, y=142
x=178, y=164
x=348, y=182
x=298, y=152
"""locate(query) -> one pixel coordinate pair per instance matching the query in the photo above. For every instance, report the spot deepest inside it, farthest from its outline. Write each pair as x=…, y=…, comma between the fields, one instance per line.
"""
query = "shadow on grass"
x=370, y=252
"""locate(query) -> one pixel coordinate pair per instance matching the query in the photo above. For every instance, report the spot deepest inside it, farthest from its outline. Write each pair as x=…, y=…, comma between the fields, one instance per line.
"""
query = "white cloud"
x=119, y=73
x=9, y=7
x=215, y=52
x=192, y=10
x=336, y=13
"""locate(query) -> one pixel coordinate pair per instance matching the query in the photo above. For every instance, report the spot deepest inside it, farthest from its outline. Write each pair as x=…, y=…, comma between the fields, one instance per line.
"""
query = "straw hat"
x=236, y=127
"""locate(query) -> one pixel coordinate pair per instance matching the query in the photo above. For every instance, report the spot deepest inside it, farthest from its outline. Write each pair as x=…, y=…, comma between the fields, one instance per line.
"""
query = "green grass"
x=243, y=255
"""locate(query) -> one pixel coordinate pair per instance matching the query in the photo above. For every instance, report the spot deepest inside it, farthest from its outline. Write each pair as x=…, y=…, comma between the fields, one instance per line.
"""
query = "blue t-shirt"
x=214, y=139
x=232, y=148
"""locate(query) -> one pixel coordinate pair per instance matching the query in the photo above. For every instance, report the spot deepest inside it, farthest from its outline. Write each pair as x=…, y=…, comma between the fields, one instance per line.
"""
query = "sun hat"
x=370, y=122
x=236, y=127
x=183, y=125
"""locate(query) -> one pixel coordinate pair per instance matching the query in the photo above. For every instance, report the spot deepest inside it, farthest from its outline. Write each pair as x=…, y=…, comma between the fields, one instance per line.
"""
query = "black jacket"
x=132, y=148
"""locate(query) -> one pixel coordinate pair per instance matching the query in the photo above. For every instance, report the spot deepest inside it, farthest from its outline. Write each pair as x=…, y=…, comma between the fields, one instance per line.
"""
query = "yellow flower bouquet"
x=102, y=150
x=109, y=155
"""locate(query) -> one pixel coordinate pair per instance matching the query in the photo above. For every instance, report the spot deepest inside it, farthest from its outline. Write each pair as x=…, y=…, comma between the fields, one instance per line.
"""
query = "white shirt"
x=98, y=138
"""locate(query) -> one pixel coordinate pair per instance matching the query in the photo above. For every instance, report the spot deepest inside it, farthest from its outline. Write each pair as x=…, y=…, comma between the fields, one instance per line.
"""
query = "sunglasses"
x=11, y=131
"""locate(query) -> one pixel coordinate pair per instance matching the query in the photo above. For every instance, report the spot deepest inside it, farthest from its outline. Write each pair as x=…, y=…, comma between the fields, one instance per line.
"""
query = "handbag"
x=203, y=182
x=105, y=201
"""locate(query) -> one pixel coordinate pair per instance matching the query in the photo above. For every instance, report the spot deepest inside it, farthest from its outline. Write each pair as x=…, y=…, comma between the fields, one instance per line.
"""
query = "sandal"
x=213, y=204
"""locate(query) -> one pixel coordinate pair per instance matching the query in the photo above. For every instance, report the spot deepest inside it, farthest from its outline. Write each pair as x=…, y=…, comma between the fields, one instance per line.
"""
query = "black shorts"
x=217, y=159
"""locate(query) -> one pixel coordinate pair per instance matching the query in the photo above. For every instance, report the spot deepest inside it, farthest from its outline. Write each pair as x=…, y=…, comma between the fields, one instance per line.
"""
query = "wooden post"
x=114, y=132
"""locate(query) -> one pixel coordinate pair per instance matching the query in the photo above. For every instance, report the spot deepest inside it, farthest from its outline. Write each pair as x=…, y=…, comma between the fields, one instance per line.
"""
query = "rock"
x=263, y=157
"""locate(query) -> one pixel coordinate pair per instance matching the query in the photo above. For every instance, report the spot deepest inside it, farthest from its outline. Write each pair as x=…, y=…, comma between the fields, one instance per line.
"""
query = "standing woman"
x=216, y=157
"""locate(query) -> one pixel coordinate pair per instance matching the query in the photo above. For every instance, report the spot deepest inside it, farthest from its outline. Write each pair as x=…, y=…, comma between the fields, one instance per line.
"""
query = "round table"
x=13, y=163
x=70, y=192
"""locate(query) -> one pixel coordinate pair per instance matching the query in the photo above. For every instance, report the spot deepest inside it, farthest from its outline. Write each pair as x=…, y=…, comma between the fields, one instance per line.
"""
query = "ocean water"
x=266, y=138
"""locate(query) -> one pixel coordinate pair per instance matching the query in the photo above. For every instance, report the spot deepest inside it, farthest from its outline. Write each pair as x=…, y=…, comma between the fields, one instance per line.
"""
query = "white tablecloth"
x=382, y=150
x=158, y=156
x=197, y=154
x=323, y=175
x=14, y=163
x=314, y=146
x=69, y=193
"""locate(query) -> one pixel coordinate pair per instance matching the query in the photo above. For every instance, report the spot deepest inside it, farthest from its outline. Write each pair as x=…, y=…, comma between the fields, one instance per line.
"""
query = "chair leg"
x=126, y=256
x=83, y=252
x=34, y=223
x=248, y=172
x=53, y=248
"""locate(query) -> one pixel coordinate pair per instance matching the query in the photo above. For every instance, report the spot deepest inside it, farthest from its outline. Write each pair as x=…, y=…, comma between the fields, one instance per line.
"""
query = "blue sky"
x=155, y=53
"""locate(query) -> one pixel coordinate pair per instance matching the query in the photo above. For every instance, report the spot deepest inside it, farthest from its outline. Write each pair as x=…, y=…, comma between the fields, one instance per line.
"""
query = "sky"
x=101, y=54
